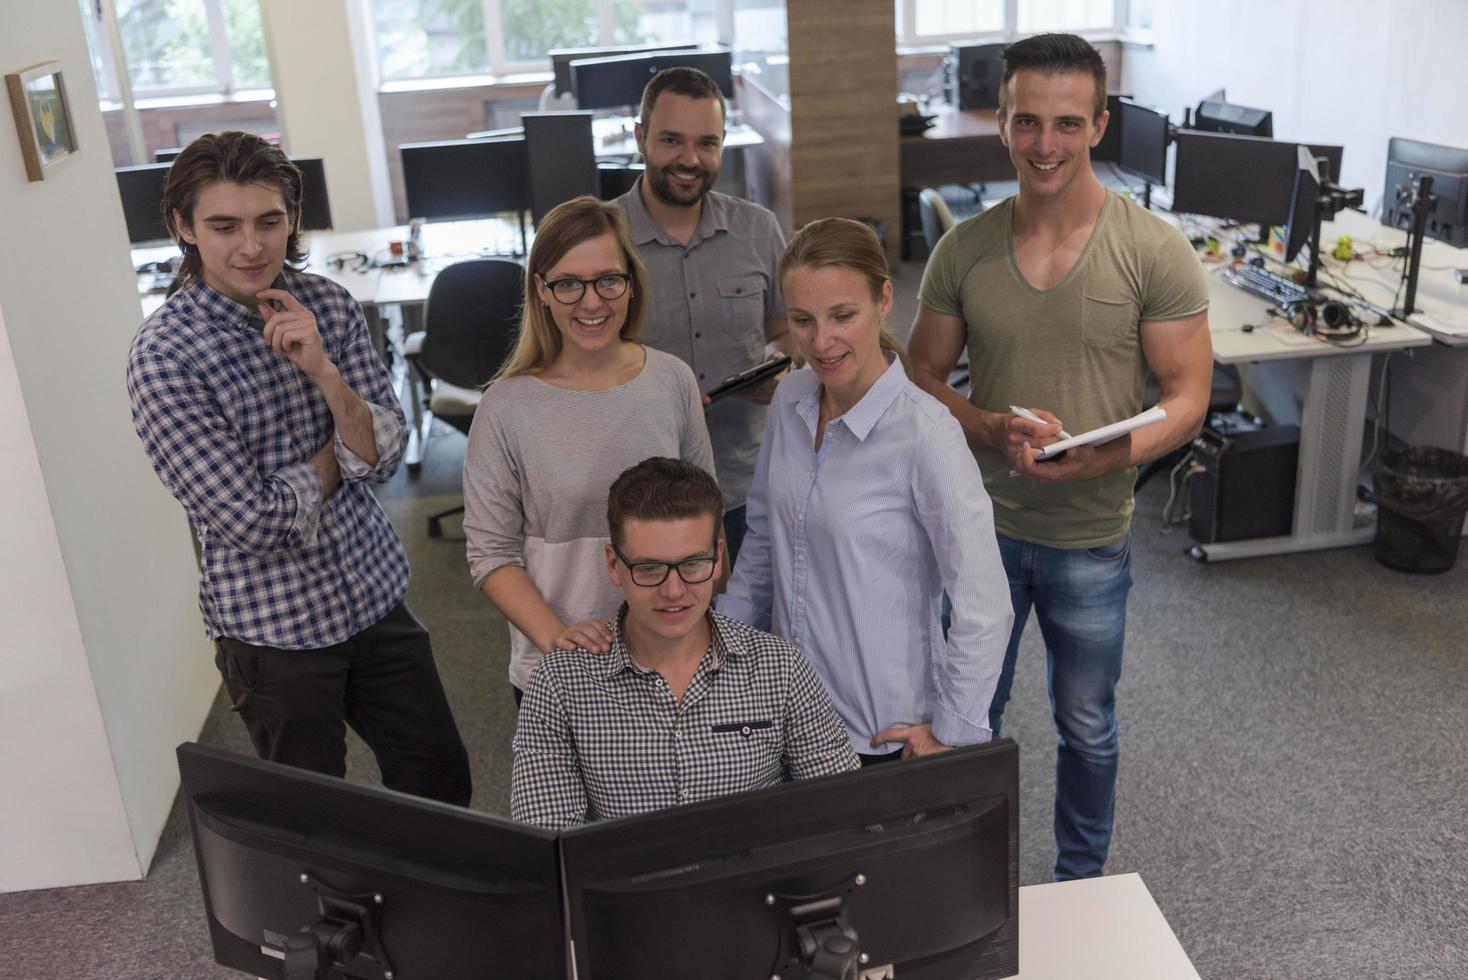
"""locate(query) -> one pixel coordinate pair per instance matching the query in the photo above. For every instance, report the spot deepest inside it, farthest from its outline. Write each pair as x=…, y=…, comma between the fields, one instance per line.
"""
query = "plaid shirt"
x=230, y=427
x=601, y=736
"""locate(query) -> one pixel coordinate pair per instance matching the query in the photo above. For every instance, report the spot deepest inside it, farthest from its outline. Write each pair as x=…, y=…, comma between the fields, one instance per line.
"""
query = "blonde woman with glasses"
x=579, y=401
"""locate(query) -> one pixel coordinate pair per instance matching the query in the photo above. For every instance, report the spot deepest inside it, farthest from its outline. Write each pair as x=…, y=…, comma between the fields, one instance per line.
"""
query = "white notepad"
x=1106, y=433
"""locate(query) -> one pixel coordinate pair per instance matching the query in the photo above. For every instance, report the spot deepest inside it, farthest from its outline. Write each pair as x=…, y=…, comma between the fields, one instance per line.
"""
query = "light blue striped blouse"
x=850, y=548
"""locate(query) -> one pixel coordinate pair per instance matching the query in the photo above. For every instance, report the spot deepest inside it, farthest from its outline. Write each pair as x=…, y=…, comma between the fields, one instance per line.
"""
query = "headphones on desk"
x=1328, y=320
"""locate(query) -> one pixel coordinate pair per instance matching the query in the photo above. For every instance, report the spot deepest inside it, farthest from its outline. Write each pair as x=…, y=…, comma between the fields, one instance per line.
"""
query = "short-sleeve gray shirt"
x=710, y=300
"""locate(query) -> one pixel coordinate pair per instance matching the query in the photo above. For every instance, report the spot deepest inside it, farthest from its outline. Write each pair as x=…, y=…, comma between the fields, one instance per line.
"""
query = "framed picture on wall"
x=42, y=117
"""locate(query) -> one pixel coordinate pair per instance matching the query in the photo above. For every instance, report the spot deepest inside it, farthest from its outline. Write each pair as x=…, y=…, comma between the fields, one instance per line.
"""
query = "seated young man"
x=688, y=704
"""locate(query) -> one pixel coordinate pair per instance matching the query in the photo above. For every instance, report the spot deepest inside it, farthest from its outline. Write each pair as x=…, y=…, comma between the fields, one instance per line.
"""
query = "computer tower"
x=1244, y=486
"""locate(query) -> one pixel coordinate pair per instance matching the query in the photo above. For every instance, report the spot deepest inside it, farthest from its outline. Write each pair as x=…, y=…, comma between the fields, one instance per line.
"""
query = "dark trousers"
x=297, y=704
x=734, y=528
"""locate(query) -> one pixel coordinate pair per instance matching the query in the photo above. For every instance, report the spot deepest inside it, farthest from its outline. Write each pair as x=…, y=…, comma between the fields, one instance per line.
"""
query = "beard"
x=663, y=189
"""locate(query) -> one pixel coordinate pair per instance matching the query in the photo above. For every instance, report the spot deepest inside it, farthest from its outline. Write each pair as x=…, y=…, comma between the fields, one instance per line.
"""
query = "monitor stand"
x=825, y=943
x=347, y=928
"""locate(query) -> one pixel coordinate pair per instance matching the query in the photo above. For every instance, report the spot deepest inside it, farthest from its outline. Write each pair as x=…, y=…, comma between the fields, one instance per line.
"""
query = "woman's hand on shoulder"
x=591, y=635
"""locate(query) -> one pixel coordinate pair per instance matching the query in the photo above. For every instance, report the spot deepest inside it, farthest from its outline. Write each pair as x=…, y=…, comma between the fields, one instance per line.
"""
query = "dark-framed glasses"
x=569, y=290
x=692, y=571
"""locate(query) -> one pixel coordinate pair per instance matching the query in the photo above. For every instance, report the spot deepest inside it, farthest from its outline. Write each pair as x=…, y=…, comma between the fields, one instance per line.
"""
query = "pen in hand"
x=1030, y=416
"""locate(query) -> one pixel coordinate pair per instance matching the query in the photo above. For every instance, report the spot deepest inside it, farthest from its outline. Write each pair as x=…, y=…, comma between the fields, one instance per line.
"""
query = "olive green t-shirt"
x=1074, y=349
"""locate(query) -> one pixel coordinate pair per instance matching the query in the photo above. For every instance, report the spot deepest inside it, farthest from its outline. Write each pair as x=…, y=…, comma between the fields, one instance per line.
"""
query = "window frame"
x=115, y=61
x=907, y=36
x=500, y=65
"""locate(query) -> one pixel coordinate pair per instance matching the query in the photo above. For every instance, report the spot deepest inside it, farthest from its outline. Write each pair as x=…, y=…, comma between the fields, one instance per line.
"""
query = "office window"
x=167, y=45
x=1036, y=16
x=177, y=47
x=940, y=18
x=926, y=21
x=427, y=38
x=533, y=27
x=99, y=51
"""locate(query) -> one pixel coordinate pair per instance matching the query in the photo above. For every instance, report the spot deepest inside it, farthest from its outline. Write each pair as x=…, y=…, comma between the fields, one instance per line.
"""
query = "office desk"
x=1098, y=928
x=1333, y=416
x=444, y=243
x=962, y=147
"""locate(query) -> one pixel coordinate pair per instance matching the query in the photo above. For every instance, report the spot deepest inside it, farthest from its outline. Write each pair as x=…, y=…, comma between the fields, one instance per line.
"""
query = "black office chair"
x=940, y=208
x=469, y=329
x=616, y=179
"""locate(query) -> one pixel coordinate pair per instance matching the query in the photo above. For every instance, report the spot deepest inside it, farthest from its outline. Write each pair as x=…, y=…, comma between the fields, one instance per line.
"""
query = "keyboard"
x=1270, y=285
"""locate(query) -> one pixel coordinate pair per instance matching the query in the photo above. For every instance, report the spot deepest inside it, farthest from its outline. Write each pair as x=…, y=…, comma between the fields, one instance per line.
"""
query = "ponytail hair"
x=847, y=244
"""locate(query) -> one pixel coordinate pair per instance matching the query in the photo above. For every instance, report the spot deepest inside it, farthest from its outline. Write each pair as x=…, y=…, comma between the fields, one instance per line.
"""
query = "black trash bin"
x=1421, y=498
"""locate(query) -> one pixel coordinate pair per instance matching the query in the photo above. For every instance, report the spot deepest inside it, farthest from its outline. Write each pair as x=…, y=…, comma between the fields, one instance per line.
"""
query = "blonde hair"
x=566, y=226
x=847, y=244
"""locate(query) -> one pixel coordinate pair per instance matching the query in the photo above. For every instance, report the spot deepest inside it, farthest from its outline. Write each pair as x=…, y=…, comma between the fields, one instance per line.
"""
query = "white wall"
x=104, y=667
x=321, y=64
x=1349, y=72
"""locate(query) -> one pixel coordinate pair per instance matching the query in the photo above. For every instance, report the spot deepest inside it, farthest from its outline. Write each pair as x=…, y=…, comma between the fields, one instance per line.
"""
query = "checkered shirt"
x=600, y=736
x=230, y=428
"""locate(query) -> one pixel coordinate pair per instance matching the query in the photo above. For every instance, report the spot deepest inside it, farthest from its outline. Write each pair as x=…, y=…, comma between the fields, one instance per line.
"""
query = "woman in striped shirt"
x=578, y=402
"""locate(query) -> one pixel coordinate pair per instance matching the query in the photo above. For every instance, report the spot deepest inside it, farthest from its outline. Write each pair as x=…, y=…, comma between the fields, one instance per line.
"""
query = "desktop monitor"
x=1108, y=150
x=1144, y=137
x=1218, y=116
x=973, y=72
x=347, y=881
x=315, y=203
x=1303, y=203
x=453, y=179
x=1406, y=161
x=1247, y=179
x=141, y=189
x=560, y=155
x=911, y=865
x=610, y=83
x=561, y=58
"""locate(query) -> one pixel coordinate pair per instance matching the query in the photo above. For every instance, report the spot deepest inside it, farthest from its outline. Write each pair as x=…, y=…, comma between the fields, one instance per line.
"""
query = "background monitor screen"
x=455, y=179
x=427, y=888
x=1143, y=149
x=1239, y=178
x=1108, y=150
x=1225, y=117
x=315, y=203
x=561, y=58
x=914, y=864
x=1406, y=162
x=610, y=83
x=141, y=189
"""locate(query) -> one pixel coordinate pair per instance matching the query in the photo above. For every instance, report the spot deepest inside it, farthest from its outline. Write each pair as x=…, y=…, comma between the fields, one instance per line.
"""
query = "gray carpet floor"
x=1292, y=785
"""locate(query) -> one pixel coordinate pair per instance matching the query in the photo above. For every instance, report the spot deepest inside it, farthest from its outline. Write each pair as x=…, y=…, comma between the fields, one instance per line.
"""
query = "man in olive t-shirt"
x=1065, y=296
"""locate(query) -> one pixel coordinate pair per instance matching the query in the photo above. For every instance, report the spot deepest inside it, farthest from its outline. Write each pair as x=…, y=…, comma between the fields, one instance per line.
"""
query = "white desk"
x=1332, y=419
x=443, y=244
x=1097, y=928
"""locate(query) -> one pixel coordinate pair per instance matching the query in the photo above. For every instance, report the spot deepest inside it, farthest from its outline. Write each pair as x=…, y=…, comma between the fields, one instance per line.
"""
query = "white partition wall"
x=103, y=665
x=326, y=87
x=1348, y=72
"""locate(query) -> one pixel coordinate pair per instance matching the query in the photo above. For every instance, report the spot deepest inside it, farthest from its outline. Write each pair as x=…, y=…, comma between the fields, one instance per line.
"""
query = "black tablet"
x=745, y=380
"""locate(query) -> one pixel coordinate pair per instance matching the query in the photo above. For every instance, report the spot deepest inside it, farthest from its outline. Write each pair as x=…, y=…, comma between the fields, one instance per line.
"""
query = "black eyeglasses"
x=569, y=290
x=692, y=571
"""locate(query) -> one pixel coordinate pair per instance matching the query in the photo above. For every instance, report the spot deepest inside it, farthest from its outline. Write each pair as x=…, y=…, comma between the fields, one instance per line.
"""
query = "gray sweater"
x=536, y=474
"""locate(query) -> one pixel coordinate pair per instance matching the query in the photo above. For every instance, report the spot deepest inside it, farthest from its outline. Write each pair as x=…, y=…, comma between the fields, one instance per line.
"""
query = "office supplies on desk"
x=1451, y=323
x=1106, y=433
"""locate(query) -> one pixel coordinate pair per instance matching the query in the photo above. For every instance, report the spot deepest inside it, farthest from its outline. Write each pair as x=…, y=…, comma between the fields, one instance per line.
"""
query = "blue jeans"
x=1079, y=597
